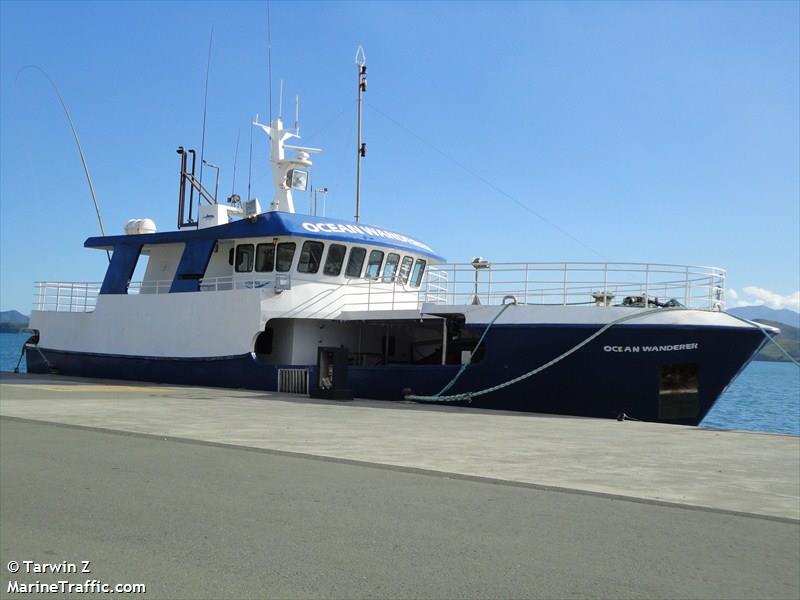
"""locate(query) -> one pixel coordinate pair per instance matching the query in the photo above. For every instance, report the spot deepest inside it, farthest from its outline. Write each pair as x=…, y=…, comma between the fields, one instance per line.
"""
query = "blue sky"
x=663, y=132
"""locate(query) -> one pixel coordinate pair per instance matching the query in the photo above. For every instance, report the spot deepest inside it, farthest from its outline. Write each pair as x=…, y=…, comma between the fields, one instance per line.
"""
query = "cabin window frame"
x=379, y=264
x=404, y=278
x=308, y=266
x=416, y=276
x=237, y=259
x=390, y=262
x=280, y=247
x=337, y=267
x=348, y=271
x=271, y=265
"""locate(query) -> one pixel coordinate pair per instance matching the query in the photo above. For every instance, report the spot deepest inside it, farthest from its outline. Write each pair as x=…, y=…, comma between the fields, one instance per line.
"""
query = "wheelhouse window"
x=374, y=264
x=244, y=258
x=265, y=258
x=310, y=257
x=419, y=270
x=355, y=262
x=405, y=269
x=333, y=263
x=284, y=256
x=391, y=267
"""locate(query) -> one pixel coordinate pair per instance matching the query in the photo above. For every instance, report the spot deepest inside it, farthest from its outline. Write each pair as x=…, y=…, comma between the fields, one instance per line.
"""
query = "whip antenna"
x=269, y=61
x=280, y=102
x=250, y=168
x=77, y=143
x=205, y=107
x=236, y=158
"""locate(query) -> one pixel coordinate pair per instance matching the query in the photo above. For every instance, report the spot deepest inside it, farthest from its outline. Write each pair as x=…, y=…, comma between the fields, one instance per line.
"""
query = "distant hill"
x=757, y=313
x=789, y=339
x=11, y=321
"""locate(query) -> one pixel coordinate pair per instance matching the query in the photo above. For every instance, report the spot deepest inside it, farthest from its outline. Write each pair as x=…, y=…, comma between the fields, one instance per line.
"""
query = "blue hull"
x=617, y=373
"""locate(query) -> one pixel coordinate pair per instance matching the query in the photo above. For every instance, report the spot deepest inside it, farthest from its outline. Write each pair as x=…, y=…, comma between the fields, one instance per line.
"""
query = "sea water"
x=10, y=348
x=765, y=396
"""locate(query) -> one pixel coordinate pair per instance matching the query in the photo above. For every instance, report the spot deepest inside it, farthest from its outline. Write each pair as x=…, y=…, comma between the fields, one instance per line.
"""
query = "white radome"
x=139, y=226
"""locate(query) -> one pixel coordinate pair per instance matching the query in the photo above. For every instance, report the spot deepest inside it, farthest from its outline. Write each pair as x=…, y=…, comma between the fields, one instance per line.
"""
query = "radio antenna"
x=77, y=144
x=269, y=61
x=361, y=65
x=250, y=168
x=297, y=115
x=235, y=159
x=280, y=102
x=205, y=107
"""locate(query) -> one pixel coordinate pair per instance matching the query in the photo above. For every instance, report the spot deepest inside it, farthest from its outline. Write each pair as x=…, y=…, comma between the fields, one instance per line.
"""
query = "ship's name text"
x=669, y=348
x=363, y=230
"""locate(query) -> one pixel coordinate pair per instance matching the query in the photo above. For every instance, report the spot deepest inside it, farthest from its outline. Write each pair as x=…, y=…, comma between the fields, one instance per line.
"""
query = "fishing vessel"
x=241, y=297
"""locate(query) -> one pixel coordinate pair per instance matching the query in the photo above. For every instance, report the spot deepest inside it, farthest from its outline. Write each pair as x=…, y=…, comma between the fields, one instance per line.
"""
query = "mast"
x=361, y=149
x=288, y=172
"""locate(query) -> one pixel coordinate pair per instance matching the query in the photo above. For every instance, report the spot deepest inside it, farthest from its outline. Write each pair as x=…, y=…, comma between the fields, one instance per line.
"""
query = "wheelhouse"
x=276, y=249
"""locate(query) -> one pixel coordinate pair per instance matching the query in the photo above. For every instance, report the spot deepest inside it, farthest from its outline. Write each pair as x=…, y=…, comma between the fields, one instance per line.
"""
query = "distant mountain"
x=11, y=321
x=757, y=313
x=13, y=316
x=789, y=340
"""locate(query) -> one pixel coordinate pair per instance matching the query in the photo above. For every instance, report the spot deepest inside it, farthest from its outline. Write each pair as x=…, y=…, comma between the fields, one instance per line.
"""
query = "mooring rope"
x=769, y=337
x=478, y=345
x=469, y=395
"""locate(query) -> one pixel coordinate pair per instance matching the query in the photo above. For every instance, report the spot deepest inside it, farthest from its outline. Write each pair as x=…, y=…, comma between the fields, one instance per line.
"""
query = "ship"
x=276, y=300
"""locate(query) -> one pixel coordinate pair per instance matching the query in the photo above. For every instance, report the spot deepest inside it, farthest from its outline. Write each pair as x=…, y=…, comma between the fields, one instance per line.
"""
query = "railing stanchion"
x=686, y=295
x=646, y=283
x=526, y=283
x=605, y=285
x=564, y=299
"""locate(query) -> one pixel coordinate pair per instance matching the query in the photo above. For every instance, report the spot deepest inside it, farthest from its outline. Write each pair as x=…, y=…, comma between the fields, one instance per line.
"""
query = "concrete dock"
x=201, y=492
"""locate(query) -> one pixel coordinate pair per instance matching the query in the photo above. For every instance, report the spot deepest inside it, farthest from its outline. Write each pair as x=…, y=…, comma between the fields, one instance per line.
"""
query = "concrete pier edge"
x=404, y=469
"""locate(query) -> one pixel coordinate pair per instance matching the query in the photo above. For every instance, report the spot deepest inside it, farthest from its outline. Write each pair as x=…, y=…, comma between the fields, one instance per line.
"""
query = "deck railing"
x=65, y=296
x=458, y=283
x=568, y=283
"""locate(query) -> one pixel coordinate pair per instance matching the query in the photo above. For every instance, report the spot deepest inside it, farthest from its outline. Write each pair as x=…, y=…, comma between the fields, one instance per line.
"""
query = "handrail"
x=565, y=283
x=546, y=283
x=63, y=296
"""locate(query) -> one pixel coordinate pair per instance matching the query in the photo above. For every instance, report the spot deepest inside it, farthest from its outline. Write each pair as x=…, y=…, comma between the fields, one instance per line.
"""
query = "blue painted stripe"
x=278, y=224
x=192, y=266
x=121, y=268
